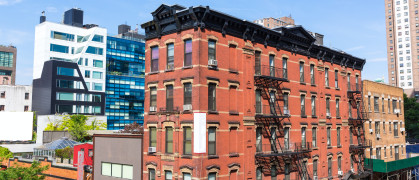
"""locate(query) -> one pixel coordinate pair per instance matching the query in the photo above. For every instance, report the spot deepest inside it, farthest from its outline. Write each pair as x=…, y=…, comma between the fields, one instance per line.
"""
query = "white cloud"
x=355, y=48
x=380, y=59
x=9, y=2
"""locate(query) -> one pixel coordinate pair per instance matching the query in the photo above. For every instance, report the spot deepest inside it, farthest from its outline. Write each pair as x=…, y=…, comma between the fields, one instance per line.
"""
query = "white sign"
x=199, y=133
x=16, y=126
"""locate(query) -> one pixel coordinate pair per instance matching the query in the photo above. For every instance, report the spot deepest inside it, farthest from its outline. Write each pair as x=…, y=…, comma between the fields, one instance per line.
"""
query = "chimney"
x=43, y=18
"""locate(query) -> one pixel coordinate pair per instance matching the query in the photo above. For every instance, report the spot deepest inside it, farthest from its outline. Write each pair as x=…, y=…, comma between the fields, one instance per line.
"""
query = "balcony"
x=279, y=149
x=270, y=72
x=360, y=145
x=354, y=88
x=273, y=111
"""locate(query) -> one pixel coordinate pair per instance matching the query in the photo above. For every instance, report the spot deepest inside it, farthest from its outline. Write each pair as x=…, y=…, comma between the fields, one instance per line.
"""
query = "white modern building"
x=15, y=98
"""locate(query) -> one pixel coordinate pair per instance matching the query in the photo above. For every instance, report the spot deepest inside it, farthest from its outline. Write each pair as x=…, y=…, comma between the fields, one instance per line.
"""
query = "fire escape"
x=279, y=156
x=356, y=124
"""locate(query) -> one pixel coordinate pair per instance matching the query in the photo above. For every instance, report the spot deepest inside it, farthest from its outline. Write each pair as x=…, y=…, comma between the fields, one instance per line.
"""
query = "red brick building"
x=276, y=104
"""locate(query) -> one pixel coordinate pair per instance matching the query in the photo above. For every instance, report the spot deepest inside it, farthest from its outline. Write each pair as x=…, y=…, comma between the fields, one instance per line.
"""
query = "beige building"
x=385, y=128
x=402, y=28
x=271, y=22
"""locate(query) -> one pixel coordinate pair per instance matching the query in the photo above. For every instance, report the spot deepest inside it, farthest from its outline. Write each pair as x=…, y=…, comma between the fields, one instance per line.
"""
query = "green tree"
x=24, y=173
x=5, y=154
x=411, y=117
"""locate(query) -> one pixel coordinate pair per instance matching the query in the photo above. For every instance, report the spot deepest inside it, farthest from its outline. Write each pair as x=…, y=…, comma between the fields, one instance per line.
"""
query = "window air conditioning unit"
x=286, y=112
x=151, y=149
x=340, y=173
x=378, y=136
x=187, y=107
x=371, y=131
x=402, y=129
x=153, y=108
x=212, y=62
x=315, y=178
x=397, y=111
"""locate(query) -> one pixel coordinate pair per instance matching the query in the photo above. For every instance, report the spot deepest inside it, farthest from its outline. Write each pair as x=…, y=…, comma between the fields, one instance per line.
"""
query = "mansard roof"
x=173, y=19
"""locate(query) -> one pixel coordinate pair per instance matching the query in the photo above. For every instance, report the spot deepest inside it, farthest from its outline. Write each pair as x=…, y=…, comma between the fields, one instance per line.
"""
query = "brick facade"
x=235, y=112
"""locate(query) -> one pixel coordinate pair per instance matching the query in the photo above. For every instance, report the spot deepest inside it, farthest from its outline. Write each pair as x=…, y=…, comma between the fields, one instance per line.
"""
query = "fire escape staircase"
x=278, y=152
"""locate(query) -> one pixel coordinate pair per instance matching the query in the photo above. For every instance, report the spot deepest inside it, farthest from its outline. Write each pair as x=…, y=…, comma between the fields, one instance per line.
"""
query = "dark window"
x=169, y=140
x=349, y=82
x=154, y=59
x=329, y=141
x=349, y=109
x=301, y=71
x=287, y=171
x=212, y=97
x=312, y=78
x=273, y=172
x=96, y=98
x=337, y=108
x=186, y=176
x=369, y=103
x=151, y=174
x=284, y=68
x=329, y=167
x=169, y=97
x=153, y=97
x=396, y=152
x=26, y=108
x=187, y=93
x=168, y=175
x=389, y=106
x=351, y=141
x=211, y=50
x=339, y=163
x=259, y=173
x=212, y=176
x=258, y=101
x=303, y=137
x=376, y=106
x=153, y=137
x=378, y=153
x=170, y=56
x=257, y=63
x=396, y=130
x=286, y=111
x=328, y=107
x=313, y=105
x=259, y=139
x=326, y=77
x=26, y=95
x=1, y=107
x=286, y=138
x=303, y=105
x=314, y=167
x=338, y=135
x=188, y=53
x=314, y=136
x=357, y=83
x=394, y=106
x=211, y=141
x=336, y=79
x=187, y=140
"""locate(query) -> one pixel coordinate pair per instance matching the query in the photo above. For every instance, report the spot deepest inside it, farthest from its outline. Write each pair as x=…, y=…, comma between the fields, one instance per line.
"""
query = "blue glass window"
x=96, y=109
x=97, y=38
x=65, y=71
x=87, y=74
x=80, y=62
x=97, y=75
x=96, y=98
x=58, y=48
x=6, y=59
x=94, y=50
x=62, y=36
x=65, y=84
x=97, y=86
x=97, y=63
x=65, y=96
x=86, y=62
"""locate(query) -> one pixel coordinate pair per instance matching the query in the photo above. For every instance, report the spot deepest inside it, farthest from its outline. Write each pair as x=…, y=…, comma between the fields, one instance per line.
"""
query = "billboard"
x=16, y=126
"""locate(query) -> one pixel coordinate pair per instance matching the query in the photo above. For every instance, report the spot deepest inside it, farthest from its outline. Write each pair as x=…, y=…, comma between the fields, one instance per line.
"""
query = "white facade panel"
x=16, y=126
x=14, y=99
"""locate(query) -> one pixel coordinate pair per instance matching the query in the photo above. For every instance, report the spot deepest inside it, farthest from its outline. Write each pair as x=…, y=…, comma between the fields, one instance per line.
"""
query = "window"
x=169, y=98
x=97, y=86
x=349, y=109
x=1, y=107
x=312, y=78
x=303, y=137
x=170, y=56
x=336, y=79
x=378, y=153
x=394, y=106
x=87, y=74
x=96, y=98
x=63, y=96
x=337, y=108
x=259, y=173
x=117, y=170
x=188, y=53
x=313, y=106
x=351, y=141
x=187, y=93
x=86, y=62
x=26, y=95
x=106, y=169
x=369, y=103
x=329, y=142
x=257, y=63
x=151, y=174
x=211, y=50
x=314, y=137
x=153, y=96
x=187, y=176
x=388, y=106
x=286, y=111
x=187, y=140
x=301, y=71
x=65, y=71
x=303, y=105
x=97, y=63
x=286, y=138
x=97, y=75
x=212, y=176
x=212, y=97
x=338, y=136
x=315, y=167
x=326, y=77
x=396, y=152
x=62, y=36
x=94, y=50
x=169, y=140
x=154, y=59
x=396, y=129
x=168, y=175
x=211, y=141
x=97, y=38
x=328, y=107
x=329, y=167
x=391, y=151
x=258, y=101
x=59, y=48
x=259, y=139
x=384, y=127
x=96, y=110
x=287, y=171
x=385, y=152
x=153, y=137
x=284, y=68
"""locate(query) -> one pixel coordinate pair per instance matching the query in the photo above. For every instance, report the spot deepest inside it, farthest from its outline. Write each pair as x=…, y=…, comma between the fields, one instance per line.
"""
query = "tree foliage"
x=66, y=153
x=133, y=128
x=411, y=117
x=5, y=154
x=25, y=173
x=77, y=125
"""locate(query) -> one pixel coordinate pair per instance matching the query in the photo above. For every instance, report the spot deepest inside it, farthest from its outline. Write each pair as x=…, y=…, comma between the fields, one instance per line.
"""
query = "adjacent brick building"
x=8, y=65
x=276, y=104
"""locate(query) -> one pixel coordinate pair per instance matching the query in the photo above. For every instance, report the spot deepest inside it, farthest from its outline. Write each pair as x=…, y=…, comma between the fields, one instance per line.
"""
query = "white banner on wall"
x=199, y=133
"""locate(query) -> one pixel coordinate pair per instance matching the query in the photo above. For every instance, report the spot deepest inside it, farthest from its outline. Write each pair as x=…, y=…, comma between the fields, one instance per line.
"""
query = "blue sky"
x=355, y=26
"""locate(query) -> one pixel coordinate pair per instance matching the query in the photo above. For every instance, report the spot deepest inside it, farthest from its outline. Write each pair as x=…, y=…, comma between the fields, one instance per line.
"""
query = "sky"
x=355, y=26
